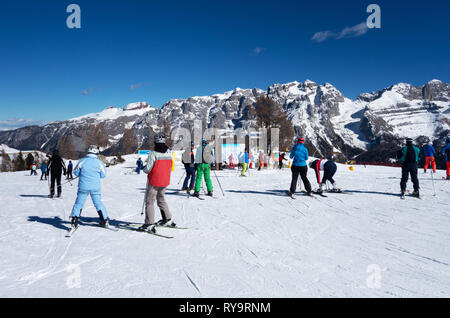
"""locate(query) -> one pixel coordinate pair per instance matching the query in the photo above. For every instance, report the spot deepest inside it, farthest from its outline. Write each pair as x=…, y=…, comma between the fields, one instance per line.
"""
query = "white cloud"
x=348, y=32
x=258, y=50
x=14, y=123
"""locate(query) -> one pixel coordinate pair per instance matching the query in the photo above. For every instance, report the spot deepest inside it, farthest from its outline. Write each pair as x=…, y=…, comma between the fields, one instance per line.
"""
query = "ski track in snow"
x=254, y=242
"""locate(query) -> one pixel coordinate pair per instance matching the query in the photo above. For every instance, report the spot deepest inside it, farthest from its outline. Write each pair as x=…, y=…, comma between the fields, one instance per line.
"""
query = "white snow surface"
x=254, y=242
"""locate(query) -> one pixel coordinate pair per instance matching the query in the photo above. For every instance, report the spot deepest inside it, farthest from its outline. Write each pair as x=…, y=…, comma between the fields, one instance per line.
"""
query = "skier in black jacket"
x=56, y=166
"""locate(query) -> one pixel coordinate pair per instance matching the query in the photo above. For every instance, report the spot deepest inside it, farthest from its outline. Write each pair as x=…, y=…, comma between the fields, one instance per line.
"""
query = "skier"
x=329, y=168
x=231, y=159
x=409, y=159
x=158, y=170
x=203, y=158
x=429, y=152
x=90, y=170
x=139, y=165
x=300, y=154
x=281, y=158
x=260, y=160
x=69, y=170
x=34, y=169
x=245, y=163
x=44, y=170
x=447, y=157
x=188, y=160
x=56, y=166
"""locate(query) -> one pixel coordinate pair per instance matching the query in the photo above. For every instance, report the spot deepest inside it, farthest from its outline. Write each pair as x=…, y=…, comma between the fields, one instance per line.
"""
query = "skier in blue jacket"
x=90, y=170
x=300, y=154
x=428, y=151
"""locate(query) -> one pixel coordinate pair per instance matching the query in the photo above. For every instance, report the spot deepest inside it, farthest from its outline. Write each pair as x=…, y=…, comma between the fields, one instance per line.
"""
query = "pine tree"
x=269, y=114
x=29, y=160
x=19, y=162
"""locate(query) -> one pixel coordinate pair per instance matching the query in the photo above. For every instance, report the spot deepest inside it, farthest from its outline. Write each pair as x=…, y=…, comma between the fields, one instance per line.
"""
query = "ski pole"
x=219, y=183
x=145, y=195
x=432, y=180
x=181, y=178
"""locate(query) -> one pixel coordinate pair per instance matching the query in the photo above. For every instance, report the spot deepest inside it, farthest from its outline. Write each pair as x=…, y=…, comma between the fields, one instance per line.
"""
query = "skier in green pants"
x=203, y=159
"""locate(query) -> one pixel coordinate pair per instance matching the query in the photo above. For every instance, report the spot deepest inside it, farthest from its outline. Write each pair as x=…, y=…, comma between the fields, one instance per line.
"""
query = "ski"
x=72, y=231
x=292, y=196
x=163, y=226
x=320, y=193
x=114, y=229
x=131, y=228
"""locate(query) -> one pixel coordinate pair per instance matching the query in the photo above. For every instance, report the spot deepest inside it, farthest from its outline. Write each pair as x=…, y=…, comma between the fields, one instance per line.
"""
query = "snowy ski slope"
x=254, y=242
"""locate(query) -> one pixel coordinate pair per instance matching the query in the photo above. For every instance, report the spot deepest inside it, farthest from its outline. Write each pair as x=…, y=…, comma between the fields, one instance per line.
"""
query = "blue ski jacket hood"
x=300, y=154
x=90, y=170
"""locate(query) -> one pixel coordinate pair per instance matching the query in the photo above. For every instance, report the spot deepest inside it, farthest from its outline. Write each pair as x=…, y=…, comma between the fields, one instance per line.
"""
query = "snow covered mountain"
x=364, y=127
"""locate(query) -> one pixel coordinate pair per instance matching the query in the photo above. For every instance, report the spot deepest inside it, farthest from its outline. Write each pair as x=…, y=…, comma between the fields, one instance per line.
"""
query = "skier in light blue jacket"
x=90, y=170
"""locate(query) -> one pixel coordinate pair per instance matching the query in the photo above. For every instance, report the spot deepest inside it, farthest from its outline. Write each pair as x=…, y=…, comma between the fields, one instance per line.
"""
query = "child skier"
x=231, y=159
x=188, y=160
x=428, y=151
x=409, y=158
x=158, y=170
x=203, y=158
x=447, y=157
x=329, y=169
x=90, y=170
x=281, y=158
x=245, y=163
x=69, y=170
x=300, y=154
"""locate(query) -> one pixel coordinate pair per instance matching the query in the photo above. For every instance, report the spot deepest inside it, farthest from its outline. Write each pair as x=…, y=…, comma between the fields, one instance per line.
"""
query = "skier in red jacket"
x=158, y=170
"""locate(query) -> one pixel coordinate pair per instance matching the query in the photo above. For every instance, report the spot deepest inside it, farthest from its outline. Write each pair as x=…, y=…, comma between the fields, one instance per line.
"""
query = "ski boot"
x=166, y=222
x=210, y=194
x=196, y=194
x=147, y=228
x=103, y=222
x=416, y=194
x=320, y=190
x=74, y=222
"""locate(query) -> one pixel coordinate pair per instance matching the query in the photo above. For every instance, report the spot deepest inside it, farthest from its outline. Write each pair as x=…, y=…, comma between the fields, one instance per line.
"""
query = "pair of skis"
x=72, y=231
x=136, y=227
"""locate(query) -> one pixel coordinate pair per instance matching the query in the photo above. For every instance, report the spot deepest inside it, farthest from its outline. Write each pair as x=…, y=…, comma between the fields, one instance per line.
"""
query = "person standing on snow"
x=34, y=169
x=188, y=160
x=158, y=170
x=447, y=157
x=329, y=169
x=428, y=151
x=90, y=170
x=69, y=170
x=260, y=160
x=139, y=165
x=231, y=160
x=245, y=163
x=281, y=158
x=409, y=159
x=56, y=166
x=203, y=158
x=44, y=170
x=300, y=155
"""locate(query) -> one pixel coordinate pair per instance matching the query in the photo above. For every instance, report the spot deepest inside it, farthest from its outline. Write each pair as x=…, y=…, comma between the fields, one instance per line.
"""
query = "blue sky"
x=128, y=51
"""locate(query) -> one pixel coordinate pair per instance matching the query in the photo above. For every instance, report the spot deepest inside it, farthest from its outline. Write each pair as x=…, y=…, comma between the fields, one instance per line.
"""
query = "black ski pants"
x=409, y=168
x=55, y=177
x=302, y=171
x=329, y=170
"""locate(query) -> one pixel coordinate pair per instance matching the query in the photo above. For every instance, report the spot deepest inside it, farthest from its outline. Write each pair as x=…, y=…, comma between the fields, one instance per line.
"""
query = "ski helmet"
x=204, y=142
x=160, y=139
x=301, y=140
x=409, y=141
x=93, y=149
